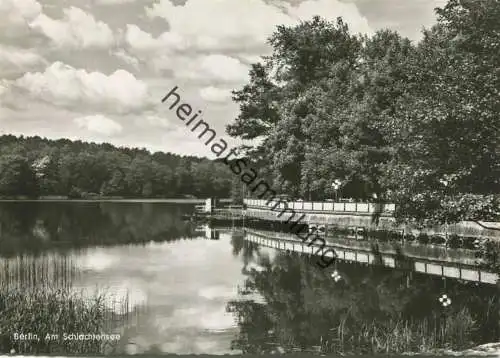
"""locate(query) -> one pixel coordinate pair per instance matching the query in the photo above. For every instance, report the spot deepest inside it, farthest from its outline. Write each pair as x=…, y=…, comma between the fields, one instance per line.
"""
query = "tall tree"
x=275, y=102
x=17, y=176
x=447, y=138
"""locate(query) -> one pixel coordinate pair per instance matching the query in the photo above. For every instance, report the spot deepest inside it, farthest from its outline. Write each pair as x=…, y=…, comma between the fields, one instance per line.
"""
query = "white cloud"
x=19, y=11
x=250, y=58
x=198, y=52
x=213, y=22
x=158, y=53
x=169, y=52
x=244, y=24
x=215, y=67
x=154, y=121
x=224, y=67
x=77, y=29
x=140, y=40
x=224, y=27
x=114, y=2
x=15, y=16
x=99, y=124
x=15, y=59
x=4, y=89
x=214, y=94
x=125, y=57
x=66, y=86
x=331, y=9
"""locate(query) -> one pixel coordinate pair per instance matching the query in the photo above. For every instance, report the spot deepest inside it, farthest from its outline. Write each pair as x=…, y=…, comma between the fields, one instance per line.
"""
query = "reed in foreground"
x=398, y=336
x=45, y=316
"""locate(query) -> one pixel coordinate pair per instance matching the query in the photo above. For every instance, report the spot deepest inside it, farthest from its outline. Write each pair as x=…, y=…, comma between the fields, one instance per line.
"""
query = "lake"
x=191, y=289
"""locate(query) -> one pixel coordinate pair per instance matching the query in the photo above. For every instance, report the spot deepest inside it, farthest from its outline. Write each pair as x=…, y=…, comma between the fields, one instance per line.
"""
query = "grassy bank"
x=54, y=312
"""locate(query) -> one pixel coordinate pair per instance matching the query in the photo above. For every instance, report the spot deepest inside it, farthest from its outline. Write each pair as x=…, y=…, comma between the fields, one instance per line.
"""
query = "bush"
x=454, y=241
x=489, y=254
x=75, y=193
x=409, y=237
x=423, y=238
x=437, y=240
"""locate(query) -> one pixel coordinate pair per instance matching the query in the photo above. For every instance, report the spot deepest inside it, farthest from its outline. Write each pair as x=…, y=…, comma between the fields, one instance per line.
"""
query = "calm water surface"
x=191, y=290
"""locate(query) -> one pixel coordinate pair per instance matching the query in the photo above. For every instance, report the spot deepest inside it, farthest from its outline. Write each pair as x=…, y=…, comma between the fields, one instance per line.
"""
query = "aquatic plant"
x=42, y=311
x=454, y=331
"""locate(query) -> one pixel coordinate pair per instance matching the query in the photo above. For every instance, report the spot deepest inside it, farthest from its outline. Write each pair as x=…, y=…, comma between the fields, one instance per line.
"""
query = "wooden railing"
x=430, y=266
x=315, y=206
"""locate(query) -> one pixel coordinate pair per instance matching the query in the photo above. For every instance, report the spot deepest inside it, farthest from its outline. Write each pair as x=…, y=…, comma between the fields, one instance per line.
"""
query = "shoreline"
x=360, y=221
x=112, y=200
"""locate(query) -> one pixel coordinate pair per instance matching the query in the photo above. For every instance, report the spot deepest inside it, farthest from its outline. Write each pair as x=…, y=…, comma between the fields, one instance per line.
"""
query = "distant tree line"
x=412, y=123
x=34, y=166
x=27, y=227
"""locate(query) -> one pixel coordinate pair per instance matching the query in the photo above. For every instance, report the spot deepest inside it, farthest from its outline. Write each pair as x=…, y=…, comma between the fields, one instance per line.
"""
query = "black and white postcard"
x=241, y=177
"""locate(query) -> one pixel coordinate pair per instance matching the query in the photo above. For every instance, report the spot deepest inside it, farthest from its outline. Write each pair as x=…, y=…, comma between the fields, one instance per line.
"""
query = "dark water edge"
x=111, y=199
x=203, y=291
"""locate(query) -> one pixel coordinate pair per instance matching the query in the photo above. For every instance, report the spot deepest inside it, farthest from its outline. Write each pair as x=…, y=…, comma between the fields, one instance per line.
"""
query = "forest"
x=392, y=120
x=33, y=167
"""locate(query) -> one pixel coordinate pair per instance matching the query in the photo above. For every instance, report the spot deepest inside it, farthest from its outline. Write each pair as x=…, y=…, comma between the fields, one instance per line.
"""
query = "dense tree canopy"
x=413, y=123
x=34, y=166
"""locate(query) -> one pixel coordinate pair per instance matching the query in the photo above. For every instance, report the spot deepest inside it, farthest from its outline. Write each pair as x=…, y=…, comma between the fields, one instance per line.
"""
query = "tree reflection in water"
x=32, y=227
x=374, y=309
x=248, y=251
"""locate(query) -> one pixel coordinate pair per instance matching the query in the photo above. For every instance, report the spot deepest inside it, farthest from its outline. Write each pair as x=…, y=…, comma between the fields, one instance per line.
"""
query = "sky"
x=96, y=70
x=184, y=289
